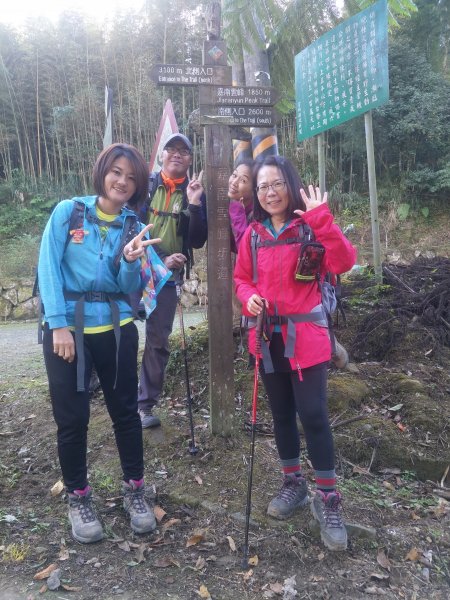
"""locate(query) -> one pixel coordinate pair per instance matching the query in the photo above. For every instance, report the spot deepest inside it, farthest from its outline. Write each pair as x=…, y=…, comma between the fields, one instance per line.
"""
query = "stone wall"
x=17, y=303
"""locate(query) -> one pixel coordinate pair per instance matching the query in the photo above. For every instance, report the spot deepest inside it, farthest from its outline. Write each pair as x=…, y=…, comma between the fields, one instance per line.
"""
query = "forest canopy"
x=53, y=77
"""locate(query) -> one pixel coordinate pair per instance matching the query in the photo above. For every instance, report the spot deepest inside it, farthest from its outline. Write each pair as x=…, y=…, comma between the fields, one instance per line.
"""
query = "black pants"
x=288, y=396
x=71, y=408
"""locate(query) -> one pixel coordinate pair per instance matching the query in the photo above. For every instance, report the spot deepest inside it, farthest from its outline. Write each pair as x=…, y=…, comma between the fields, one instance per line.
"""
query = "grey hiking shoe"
x=340, y=356
x=86, y=528
x=148, y=419
x=134, y=503
x=326, y=509
x=292, y=495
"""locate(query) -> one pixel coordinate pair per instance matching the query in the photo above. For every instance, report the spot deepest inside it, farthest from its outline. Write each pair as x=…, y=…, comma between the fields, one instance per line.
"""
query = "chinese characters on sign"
x=190, y=74
x=223, y=226
x=257, y=116
x=243, y=95
x=344, y=73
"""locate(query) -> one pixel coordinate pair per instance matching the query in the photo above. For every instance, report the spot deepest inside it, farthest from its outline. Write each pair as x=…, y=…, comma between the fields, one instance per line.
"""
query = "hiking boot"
x=148, y=419
x=340, y=356
x=134, y=503
x=326, y=509
x=292, y=495
x=86, y=528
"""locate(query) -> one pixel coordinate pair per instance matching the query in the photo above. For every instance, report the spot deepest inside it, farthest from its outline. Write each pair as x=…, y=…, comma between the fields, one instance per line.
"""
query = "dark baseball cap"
x=178, y=137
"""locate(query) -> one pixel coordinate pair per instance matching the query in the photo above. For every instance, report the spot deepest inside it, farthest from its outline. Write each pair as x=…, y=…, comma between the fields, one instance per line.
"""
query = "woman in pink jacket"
x=295, y=357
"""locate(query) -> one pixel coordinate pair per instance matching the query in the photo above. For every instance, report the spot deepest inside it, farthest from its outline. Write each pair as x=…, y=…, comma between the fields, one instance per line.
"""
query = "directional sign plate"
x=190, y=74
x=247, y=116
x=238, y=95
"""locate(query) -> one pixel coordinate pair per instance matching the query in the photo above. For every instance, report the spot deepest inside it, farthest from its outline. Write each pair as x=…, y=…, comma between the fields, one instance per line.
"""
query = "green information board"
x=344, y=73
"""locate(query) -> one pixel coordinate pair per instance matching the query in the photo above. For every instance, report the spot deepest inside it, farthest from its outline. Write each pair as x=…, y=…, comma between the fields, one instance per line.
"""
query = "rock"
x=25, y=310
x=346, y=391
x=188, y=300
x=5, y=308
x=53, y=582
x=10, y=295
x=190, y=286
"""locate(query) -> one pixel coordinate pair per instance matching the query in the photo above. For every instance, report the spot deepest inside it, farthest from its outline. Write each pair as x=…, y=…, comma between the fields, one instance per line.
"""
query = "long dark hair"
x=293, y=185
x=104, y=163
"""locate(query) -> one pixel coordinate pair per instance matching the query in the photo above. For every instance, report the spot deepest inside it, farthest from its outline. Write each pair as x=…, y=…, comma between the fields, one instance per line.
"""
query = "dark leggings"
x=288, y=396
x=71, y=408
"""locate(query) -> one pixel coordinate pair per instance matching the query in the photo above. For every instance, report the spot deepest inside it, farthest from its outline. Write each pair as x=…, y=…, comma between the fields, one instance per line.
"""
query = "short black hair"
x=103, y=165
x=293, y=185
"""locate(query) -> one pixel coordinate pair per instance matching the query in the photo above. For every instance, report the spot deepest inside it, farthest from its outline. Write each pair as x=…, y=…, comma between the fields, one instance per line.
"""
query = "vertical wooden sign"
x=218, y=156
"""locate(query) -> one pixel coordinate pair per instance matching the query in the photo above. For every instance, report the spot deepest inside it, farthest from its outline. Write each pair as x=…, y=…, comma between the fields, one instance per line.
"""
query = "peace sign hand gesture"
x=194, y=189
x=313, y=200
x=136, y=248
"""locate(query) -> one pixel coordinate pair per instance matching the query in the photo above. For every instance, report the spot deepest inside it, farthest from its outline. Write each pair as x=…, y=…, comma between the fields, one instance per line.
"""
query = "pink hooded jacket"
x=276, y=280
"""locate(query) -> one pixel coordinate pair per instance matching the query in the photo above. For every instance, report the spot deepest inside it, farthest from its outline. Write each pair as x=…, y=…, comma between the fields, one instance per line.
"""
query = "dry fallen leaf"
x=413, y=554
x=163, y=562
x=379, y=577
x=170, y=523
x=388, y=485
x=277, y=588
x=57, y=488
x=203, y=592
x=320, y=556
x=383, y=560
x=140, y=553
x=125, y=546
x=248, y=574
x=45, y=573
x=159, y=513
x=231, y=543
x=63, y=553
x=200, y=564
x=198, y=479
x=196, y=538
x=70, y=588
x=253, y=561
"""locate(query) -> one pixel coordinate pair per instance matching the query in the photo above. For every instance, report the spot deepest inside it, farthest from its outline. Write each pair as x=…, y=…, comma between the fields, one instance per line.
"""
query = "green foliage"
x=19, y=256
x=397, y=9
x=403, y=211
x=16, y=219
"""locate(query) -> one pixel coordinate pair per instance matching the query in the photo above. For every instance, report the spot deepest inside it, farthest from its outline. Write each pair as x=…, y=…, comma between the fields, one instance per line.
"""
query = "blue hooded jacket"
x=83, y=267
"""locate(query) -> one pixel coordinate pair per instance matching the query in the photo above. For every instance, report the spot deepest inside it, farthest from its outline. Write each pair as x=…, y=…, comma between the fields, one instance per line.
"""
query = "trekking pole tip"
x=193, y=450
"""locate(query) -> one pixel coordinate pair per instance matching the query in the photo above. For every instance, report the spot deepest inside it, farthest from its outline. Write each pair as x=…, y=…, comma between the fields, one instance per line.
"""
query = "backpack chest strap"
x=317, y=315
x=163, y=213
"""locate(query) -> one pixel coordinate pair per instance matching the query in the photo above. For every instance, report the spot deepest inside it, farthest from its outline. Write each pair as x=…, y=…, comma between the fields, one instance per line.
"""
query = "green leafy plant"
x=403, y=211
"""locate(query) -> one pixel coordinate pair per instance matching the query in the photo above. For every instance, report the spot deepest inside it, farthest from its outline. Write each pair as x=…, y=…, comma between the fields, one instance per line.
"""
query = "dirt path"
x=399, y=532
x=17, y=337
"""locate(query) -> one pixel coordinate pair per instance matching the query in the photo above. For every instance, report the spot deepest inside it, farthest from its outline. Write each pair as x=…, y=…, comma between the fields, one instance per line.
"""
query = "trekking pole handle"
x=259, y=329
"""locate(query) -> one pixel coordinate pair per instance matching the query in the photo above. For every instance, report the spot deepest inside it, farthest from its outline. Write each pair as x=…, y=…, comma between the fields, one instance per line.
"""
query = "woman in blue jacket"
x=87, y=266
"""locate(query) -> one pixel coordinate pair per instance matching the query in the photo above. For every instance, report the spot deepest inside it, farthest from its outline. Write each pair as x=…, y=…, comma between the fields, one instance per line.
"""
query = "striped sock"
x=82, y=492
x=291, y=466
x=136, y=483
x=325, y=480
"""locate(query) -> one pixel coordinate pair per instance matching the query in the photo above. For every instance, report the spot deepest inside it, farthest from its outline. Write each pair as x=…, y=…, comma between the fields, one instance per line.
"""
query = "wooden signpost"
x=221, y=105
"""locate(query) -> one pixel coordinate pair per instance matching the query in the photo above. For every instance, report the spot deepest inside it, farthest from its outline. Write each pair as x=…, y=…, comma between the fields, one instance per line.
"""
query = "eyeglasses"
x=181, y=151
x=277, y=186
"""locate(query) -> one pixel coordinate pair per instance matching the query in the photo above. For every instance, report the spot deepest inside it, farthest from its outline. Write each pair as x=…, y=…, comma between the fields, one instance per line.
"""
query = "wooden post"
x=220, y=316
x=218, y=154
x=373, y=197
x=321, y=161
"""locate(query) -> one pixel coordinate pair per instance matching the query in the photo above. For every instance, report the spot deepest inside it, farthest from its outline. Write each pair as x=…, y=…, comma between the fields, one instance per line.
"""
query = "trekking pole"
x=192, y=447
x=260, y=322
